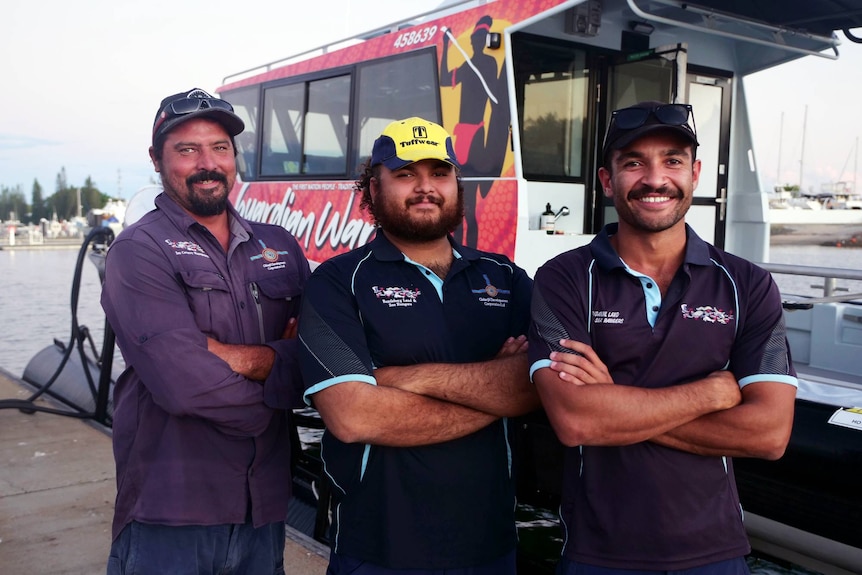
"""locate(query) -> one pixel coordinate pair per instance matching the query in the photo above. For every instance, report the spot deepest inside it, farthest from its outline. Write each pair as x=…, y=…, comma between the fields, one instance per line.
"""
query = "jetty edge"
x=57, y=491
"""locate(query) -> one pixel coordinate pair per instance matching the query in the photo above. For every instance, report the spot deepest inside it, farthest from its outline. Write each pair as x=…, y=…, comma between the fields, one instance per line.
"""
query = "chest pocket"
x=277, y=300
x=209, y=298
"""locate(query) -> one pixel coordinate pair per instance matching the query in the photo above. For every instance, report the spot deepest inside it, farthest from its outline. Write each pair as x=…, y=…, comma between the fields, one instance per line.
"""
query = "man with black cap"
x=413, y=353
x=203, y=304
x=680, y=362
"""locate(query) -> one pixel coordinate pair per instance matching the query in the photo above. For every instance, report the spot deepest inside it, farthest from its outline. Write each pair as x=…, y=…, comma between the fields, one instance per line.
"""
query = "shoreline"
x=840, y=235
x=57, y=244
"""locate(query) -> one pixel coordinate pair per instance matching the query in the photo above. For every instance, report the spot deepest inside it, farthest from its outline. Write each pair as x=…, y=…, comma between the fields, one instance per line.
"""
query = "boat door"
x=661, y=74
x=709, y=95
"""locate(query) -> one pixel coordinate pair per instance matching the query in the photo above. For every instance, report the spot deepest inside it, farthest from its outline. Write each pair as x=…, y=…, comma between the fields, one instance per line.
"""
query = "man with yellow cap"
x=413, y=352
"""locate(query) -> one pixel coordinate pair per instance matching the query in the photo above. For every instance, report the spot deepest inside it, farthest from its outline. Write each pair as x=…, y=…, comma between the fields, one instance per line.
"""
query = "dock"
x=57, y=490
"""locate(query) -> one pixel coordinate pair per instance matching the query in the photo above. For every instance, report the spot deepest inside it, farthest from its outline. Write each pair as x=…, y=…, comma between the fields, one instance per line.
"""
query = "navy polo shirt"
x=438, y=506
x=643, y=505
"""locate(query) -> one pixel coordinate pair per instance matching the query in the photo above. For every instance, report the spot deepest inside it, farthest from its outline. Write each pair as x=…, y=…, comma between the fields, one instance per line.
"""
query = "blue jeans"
x=736, y=566
x=146, y=549
x=342, y=565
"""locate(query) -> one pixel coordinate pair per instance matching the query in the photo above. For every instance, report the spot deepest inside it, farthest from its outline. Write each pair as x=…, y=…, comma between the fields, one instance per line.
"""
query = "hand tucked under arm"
x=513, y=346
x=358, y=412
x=760, y=426
x=251, y=361
x=583, y=367
x=500, y=387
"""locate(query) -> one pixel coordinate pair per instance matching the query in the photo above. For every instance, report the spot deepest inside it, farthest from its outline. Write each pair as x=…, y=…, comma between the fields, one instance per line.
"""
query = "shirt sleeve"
x=556, y=312
x=333, y=347
x=760, y=351
x=149, y=311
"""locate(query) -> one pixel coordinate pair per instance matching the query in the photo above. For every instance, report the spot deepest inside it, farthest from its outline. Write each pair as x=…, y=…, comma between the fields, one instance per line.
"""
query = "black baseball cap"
x=629, y=124
x=195, y=103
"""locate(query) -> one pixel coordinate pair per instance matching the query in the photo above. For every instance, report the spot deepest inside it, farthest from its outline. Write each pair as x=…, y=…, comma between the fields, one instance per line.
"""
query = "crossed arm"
x=429, y=403
x=251, y=361
x=710, y=416
x=499, y=387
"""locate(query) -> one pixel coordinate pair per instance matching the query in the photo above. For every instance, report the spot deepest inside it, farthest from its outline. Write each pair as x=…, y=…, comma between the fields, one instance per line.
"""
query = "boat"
x=799, y=509
x=806, y=211
x=803, y=508
x=76, y=373
x=830, y=206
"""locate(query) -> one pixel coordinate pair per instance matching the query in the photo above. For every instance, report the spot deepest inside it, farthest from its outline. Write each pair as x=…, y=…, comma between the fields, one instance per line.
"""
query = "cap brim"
x=641, y=131
x=396, y=163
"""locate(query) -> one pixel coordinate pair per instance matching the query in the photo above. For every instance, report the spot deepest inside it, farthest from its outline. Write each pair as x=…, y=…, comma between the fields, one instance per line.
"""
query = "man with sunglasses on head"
x=203, y=304
x=658, y=357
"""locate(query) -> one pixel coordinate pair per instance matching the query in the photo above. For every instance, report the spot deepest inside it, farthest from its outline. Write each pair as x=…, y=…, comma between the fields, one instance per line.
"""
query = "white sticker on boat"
x=848, y=417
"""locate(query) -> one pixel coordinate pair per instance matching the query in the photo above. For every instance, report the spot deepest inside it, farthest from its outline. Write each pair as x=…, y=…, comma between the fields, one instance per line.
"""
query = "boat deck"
x=57, y=494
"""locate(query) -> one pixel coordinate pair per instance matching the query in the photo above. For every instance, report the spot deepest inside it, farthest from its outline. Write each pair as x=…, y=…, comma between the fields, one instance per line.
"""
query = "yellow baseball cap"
x=412, y=140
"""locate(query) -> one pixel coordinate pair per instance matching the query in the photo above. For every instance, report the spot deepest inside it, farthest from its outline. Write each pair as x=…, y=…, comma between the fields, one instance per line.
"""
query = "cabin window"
x=245, y=104
x=326, y=122
x=552, y=82
x=282, y=130
x=394, y=89
x=306, y=136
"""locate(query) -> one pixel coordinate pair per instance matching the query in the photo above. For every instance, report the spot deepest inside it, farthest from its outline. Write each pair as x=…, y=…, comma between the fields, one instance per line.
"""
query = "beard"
x=211, y=203
x=397, y=220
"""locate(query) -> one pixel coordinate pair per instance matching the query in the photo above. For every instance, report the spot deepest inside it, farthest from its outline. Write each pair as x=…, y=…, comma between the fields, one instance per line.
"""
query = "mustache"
x=430, y=199
x=206, y=175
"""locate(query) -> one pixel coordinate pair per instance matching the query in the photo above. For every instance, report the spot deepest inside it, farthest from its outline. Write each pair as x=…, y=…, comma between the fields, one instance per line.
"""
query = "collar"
x=385, y=251
x=181, y=219
x=696, y=250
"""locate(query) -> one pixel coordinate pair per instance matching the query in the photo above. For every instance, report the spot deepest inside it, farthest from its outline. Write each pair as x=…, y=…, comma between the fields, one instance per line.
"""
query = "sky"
x=808, y=114
x=82, y=81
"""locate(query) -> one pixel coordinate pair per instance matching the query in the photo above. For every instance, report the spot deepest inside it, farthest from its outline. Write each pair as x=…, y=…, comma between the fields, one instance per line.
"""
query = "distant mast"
x=802, y=152
x=780, y=137
x=856, y=167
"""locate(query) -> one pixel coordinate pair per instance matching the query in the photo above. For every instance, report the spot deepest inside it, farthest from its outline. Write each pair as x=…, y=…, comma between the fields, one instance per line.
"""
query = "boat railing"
x=356, y=38
x=830, y=287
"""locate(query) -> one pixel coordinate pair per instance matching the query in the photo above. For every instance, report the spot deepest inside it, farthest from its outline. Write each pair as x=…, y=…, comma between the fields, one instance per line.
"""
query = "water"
x=35, y=303
x=35, y=308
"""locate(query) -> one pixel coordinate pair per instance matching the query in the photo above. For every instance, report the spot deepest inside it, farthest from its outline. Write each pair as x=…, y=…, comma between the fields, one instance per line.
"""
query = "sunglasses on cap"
x=183, y=106
x=667, y=114
x=189, y=105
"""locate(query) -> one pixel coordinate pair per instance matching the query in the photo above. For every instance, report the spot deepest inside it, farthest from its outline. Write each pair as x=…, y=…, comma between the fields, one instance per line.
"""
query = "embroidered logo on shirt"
x=270, y=255
x=186, y=248
x=492, y=292
x=396, y=296
x=607, y=316
x=707, y=313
